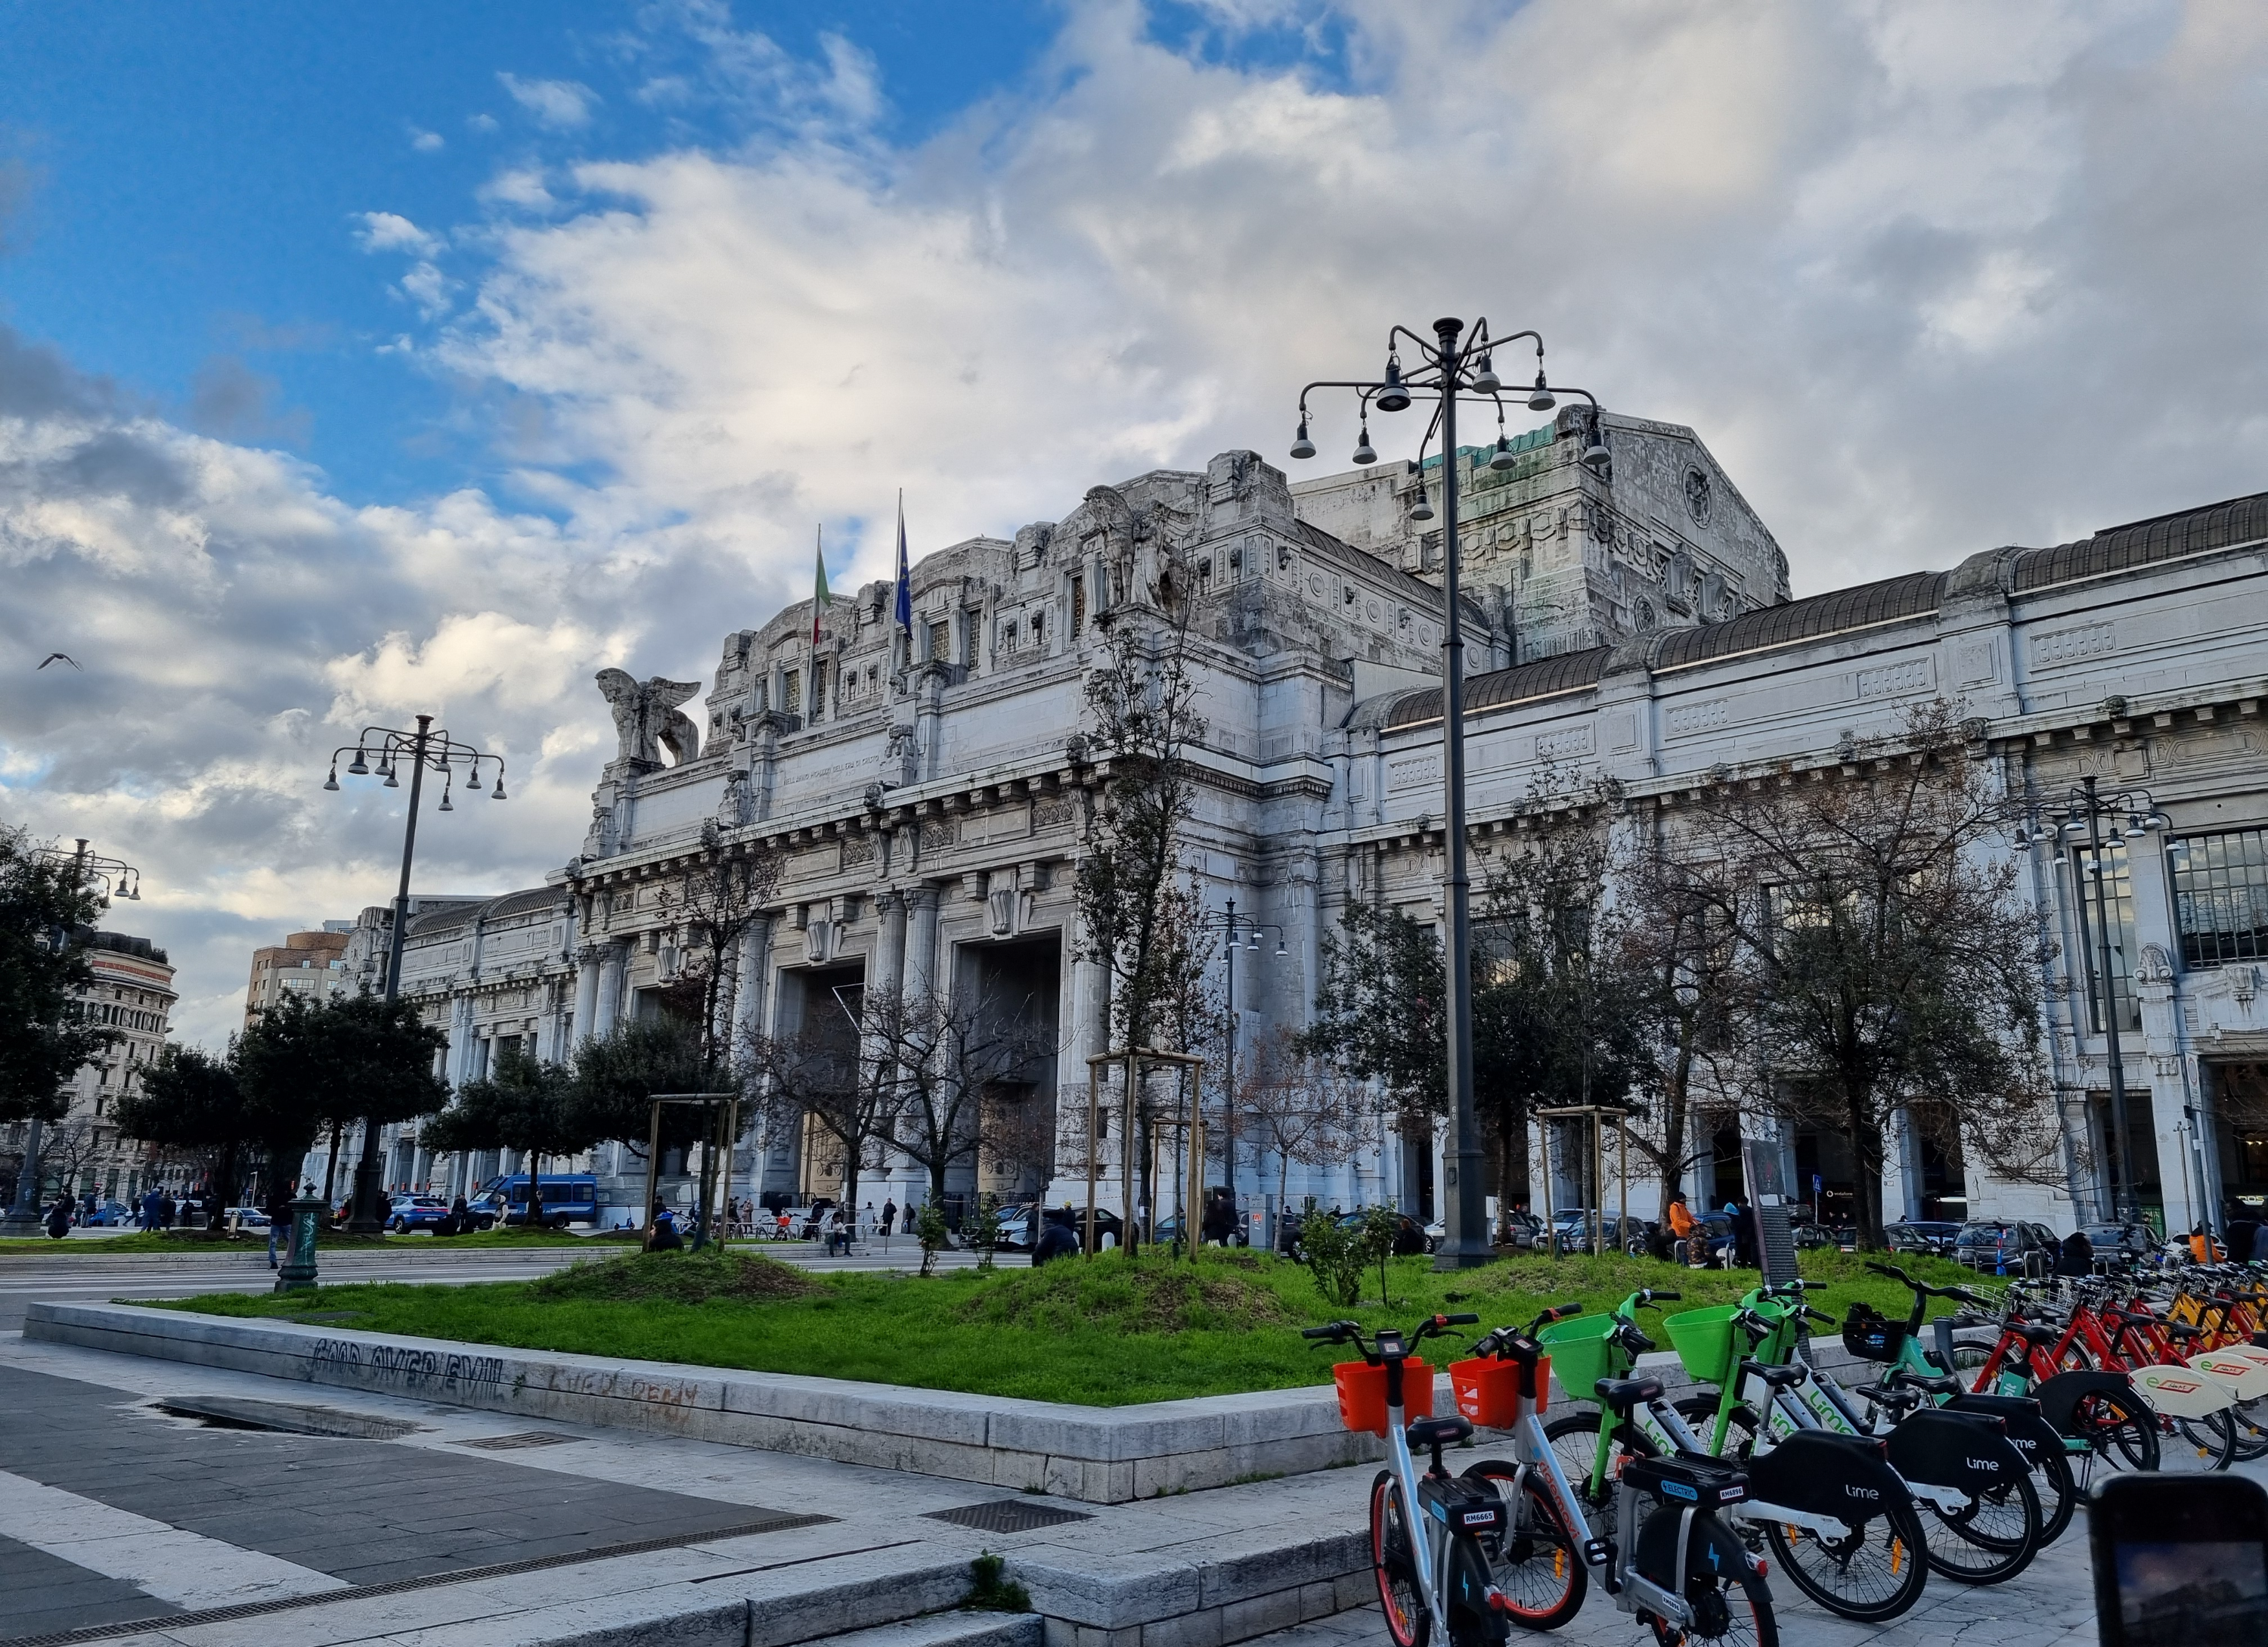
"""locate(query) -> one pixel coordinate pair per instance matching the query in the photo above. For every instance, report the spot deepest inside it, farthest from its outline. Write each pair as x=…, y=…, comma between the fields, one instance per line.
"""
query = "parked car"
x=1521, y=1228
x=2005, y=1245
x=407, y=1213
x=244, y=1218
x=110, y=1215
x=2121, y=1240
x=1410, y=1238
x=1932, y=1237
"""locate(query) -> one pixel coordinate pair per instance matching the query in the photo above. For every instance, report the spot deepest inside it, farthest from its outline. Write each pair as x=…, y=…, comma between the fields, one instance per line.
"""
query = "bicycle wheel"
x=1574, y=1439
x=1876, y=1571
x=2197, y=1445
x=1538, y=1561
x=1989, y=1540
x=2252, y=1420
x=1731, y=1608
x=1392, y=1559
x=2120, y=1433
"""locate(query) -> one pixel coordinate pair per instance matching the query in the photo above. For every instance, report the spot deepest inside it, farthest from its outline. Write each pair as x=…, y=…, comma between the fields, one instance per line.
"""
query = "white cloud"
x=1901, y=266
x=426, y=142
x=556, y=103
x=390, y=232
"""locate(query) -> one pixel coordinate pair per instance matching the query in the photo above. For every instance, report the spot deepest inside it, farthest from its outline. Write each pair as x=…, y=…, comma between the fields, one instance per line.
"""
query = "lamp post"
x=1455, y=363
x=2080, y=816
x=424, y=749
x=117, y=879
x=1236, y=926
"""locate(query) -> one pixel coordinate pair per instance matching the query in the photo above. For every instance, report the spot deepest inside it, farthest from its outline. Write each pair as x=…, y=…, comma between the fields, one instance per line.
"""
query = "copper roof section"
x=2140, y=542
x=1499, y=689
x=1915, y=594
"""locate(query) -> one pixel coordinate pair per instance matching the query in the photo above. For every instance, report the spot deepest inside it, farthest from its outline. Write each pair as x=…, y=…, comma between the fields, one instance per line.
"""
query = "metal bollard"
x=296, y=1272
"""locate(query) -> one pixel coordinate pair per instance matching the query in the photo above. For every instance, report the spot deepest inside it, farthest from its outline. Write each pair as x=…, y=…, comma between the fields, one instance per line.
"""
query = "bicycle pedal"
x=1598, y=1552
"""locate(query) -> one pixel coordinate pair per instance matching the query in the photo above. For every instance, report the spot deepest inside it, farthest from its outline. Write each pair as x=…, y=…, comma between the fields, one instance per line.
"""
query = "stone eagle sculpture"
x=647, y=718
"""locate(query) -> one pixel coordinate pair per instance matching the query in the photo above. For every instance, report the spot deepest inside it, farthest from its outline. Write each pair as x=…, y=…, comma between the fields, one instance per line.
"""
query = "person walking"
x=168, y=1208
x=2075, y=1256
x=890, y=1217
x=279, y=1221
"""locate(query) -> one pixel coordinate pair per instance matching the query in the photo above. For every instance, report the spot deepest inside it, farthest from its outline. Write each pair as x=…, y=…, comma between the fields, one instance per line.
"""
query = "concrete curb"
x=1095, y=1454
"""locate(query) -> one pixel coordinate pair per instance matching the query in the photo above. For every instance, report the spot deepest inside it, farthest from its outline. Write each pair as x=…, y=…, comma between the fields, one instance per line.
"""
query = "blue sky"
x=358, y=361
x=194, y=176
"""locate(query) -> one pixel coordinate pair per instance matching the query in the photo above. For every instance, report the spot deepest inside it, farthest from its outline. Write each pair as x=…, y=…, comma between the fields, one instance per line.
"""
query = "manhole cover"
x=1008, y=1515
x=229, y=1412
x=524, y=1438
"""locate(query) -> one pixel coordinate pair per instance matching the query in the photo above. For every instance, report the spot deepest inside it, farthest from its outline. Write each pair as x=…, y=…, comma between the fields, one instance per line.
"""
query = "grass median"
x=1103, y=1333
x=208, y=1242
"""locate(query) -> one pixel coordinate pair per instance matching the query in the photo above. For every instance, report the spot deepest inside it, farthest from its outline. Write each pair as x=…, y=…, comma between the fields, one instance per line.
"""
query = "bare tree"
x=714, y=902
x=1295, y=1106
x=1882, y=959
x=1681, y=957
x=961, y=1075
x=836, y=1073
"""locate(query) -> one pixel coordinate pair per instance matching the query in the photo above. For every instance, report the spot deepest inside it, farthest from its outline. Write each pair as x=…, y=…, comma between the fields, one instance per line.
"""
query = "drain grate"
x=399, y=1586
x=230, y=1412
x=1008, y=1515
x=523, y=1439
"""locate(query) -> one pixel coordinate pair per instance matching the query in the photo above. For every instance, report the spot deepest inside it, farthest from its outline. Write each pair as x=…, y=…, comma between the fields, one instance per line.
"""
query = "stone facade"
x=131, y=995
x=310, y=964
x=932, y=793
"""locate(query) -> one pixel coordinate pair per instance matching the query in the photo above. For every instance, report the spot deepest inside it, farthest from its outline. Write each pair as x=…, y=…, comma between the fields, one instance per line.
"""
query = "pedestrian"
x=167, y=1209
x=279, y=1221
x=889, y=1216
x=59, y=1218
x=2076, y=1255
x=666, y=1239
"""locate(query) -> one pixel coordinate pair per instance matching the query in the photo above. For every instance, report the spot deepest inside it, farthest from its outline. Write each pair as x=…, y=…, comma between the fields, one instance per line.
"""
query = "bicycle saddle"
x=2183, y=1329
x=1778, y=1377
x=1622, y=1394
x=1436, y=1432
x=2038, y=1333
x=1905, y=1378
x=1896, y=1397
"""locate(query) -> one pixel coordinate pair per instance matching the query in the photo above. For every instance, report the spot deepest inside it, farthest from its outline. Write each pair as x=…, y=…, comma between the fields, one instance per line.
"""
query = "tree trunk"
x=1866, y=1169
x=535, y=1191
x=331, y=1169
x=1675, y=1119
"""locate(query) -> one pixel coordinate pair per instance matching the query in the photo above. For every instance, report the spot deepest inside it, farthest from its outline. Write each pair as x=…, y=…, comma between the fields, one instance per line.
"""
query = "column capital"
x=920, y=896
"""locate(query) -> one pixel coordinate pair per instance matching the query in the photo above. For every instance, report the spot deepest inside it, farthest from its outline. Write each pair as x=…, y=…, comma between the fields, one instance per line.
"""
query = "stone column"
x=889, y=962
x=919, y=975
x=2154, y=1056
x=752, y=982
x=421, y=1176
x=587, y=991
x=611, y=961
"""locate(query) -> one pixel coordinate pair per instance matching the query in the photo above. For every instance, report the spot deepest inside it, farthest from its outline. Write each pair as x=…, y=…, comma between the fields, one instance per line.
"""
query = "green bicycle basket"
x=1703, y=1340
x=1583, y=1351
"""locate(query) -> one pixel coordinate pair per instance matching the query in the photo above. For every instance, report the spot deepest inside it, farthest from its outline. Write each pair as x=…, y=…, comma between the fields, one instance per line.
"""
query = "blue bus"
x=568, y=1198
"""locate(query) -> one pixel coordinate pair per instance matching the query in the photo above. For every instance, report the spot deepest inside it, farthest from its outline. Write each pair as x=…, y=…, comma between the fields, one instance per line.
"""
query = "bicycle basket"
x=1488, y=1390
x=1703, y=1340
x=1871, y=1336
x=1583, y=1351
x=1362, y=1394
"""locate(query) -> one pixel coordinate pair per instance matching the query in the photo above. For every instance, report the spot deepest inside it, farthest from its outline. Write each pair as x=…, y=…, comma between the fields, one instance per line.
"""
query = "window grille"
x=2220, y=897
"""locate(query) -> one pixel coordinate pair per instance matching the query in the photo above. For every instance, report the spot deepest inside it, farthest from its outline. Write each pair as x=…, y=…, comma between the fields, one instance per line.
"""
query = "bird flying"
x=52, y=656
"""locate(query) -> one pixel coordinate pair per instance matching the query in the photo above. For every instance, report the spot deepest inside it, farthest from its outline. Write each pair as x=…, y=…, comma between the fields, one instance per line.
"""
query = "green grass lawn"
x=207, y=1241
x=1105, y=1333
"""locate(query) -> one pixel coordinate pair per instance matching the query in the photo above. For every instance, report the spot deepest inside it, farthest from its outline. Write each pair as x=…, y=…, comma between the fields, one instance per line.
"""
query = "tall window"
x=818, y=689
x=1077, y=607
x=2112, y=888
x=792, y=692
x=2221, y=898
x=941, y=641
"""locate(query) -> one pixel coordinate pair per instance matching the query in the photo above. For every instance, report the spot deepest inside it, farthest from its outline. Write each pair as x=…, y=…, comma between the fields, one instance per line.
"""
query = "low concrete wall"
x=1102, y=1455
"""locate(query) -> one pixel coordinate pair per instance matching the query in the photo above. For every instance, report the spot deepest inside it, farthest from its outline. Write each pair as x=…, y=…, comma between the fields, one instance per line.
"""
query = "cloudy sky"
x=368, y=359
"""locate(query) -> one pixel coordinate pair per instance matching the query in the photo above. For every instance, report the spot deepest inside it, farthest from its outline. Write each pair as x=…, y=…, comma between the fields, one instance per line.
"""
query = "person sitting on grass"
x=666, y=1239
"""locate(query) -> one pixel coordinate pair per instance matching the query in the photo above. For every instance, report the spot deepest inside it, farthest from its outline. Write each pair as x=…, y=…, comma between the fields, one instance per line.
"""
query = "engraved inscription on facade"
x=2087, y=640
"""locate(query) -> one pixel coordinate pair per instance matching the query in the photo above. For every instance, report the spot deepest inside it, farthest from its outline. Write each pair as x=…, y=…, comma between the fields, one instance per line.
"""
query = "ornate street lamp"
x=383, y=751
x=1236, y=927
x=2078, y=816
x=118, y=879
x=1455, y=363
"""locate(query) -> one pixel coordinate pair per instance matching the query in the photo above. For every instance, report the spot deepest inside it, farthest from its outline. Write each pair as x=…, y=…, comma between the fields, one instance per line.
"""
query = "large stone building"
x=131, y=996
x=308, y=963
x=932, y=793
